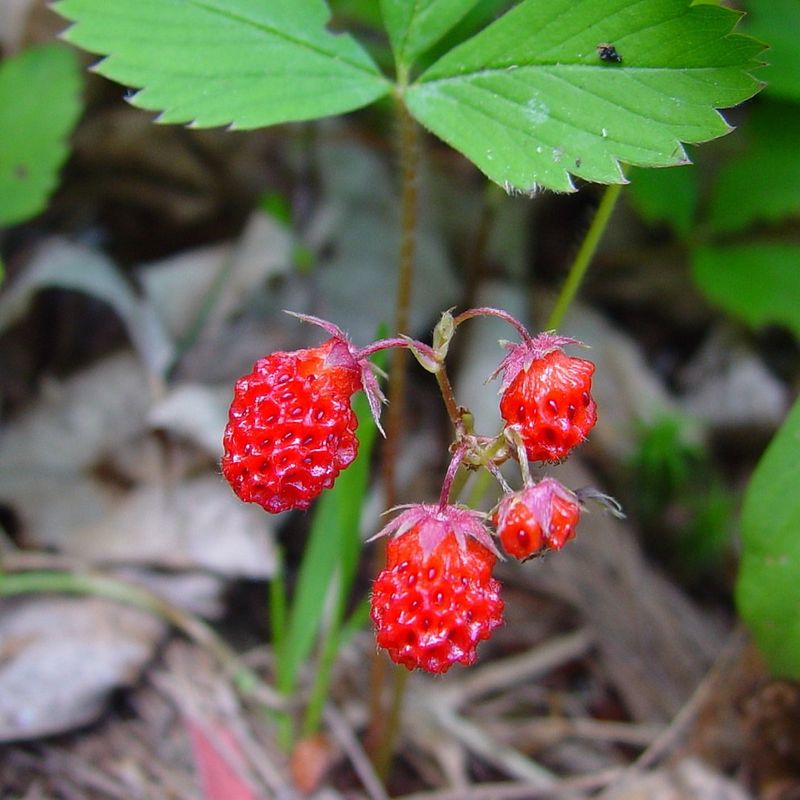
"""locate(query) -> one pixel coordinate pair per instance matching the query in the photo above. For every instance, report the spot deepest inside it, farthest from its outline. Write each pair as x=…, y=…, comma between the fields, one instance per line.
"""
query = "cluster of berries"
x=291, y=430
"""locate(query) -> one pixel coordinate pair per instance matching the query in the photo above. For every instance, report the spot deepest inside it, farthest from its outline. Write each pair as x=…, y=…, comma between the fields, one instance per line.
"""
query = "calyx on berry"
x=542, y=516
x=435, y=522
x=436, y=599
x=344, y=354
x=546, y=396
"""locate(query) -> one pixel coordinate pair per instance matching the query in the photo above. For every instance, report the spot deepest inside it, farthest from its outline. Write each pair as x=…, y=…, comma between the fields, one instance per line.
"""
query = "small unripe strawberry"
x=436, y=598
x=546, y=396
x=537, y=518
x=291, y=428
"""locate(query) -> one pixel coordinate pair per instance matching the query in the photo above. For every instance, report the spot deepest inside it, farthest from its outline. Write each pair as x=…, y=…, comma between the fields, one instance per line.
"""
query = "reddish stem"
x=455, y=463
x=385, y=344
x=446, y=389
x=486, y=311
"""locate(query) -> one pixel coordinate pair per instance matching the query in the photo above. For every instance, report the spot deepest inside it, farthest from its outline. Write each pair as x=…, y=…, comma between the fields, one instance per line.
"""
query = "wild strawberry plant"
x=546, y=93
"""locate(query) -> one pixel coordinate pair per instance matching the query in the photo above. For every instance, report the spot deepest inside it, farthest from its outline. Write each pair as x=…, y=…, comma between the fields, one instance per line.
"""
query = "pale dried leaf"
x=217, y=281
x=196, y=592
x=195, y=412
x=362, y=216
x=729, y=387
x=179, y=285
x=61, y=657
x=196, y=524
x=60, y=264
x=76, y=422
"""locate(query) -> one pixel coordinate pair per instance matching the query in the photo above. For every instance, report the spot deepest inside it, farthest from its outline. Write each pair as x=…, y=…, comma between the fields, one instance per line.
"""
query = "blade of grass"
x=278, y=605
x=330, y=560
x=317, y=570
x=335, y=639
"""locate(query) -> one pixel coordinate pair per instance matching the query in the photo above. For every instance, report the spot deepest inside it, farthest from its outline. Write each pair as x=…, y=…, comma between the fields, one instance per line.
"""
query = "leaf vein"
x=279, y=34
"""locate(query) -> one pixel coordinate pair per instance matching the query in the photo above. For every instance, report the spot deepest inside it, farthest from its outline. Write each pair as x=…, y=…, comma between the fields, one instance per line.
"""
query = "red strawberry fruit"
x=546, y=396
x=436, y=599
x=537, y=518
x=291, y=428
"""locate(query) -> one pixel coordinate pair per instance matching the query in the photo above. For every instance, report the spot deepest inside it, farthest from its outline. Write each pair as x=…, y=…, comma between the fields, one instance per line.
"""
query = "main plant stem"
x=385, y=722
x=408, y=142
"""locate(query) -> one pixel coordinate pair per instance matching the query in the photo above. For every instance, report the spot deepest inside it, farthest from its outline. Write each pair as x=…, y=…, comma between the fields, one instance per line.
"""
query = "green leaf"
x=768, y=586
x=763, y=183
x=759, y=283
x=414, y=27
x=243, y=63
x=776, y=22
x=531, y=103
x=39, y=106
x=356, y=14
x=665, y=195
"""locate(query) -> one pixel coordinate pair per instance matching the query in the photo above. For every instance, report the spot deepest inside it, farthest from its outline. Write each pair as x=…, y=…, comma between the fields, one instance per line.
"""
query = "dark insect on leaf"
x=608, y=52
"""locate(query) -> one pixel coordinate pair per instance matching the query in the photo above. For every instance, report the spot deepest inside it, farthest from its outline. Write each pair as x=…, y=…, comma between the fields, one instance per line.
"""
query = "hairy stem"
x=409, y=160
x=395, y=342
x=446, y=388
x=383, y=726
x=584, y=256
x=485, y=311
x=447, y=484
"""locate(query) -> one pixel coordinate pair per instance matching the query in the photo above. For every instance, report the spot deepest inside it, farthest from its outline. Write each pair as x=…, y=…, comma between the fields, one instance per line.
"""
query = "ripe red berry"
x=537, y=518
x=436, y=599
x=291, y=428
x=546, y=397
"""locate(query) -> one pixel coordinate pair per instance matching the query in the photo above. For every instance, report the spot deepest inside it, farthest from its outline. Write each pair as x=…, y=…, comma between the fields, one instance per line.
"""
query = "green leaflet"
x=758, y=283
x=415, y=26
x=39, y=106
x=776, y=22
x=242, y=63
x=665, y=195
x=763, y=183
x=768, y=586
x=530, y=101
